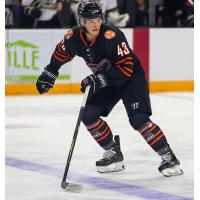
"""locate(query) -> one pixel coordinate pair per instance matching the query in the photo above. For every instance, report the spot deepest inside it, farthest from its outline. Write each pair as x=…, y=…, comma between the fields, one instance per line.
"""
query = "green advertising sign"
x=23, y=62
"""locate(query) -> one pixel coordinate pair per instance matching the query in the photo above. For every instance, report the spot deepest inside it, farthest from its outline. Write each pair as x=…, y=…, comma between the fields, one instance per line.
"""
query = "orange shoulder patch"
x=109, y=34
x=68, y=34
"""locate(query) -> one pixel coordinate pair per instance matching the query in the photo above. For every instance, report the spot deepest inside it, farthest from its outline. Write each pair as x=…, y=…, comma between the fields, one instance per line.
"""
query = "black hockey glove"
x=46, y=81
x=95, y=81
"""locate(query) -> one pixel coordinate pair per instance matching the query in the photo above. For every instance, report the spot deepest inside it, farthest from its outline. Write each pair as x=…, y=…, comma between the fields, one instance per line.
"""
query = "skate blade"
x=114, y=167
x=172, y=171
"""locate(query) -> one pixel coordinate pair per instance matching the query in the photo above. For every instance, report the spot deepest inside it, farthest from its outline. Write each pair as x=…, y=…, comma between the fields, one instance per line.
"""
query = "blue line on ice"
x=123, y=188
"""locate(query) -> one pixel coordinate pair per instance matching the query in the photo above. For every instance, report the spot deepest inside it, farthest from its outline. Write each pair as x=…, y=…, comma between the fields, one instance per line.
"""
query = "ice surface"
x=39, y=131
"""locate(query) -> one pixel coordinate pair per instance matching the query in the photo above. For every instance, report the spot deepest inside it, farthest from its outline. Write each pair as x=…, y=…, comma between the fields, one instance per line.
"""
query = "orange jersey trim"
x=128, y=69
x=60, y=49
x=128, y=62
x=83, y=40
x=58, y=58
x=61, y=55
x=124, y=60
x=127, y=74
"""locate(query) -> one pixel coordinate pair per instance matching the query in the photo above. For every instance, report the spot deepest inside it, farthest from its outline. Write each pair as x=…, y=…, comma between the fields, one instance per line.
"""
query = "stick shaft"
x=76, y=132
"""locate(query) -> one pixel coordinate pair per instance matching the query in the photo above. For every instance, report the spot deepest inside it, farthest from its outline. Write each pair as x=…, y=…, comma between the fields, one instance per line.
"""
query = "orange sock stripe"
x=143, y=129
x=100, y=125
x=158, y=133
x=104, y=136
x=152, y=128
x=92, y=126
x=107, y=127
x=156, y=140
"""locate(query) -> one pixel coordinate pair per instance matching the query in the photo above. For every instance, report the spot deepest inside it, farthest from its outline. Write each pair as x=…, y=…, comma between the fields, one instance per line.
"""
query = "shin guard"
x=102, y=133
x=153, y=135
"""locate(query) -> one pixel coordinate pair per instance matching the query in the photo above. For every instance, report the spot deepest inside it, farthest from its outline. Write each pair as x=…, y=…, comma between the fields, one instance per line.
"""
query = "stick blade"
x=64, y=184
x=72, y=187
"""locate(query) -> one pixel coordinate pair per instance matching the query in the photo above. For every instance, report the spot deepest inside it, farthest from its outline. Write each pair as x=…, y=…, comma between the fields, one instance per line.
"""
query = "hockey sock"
x=154, y=136
x=101, y=132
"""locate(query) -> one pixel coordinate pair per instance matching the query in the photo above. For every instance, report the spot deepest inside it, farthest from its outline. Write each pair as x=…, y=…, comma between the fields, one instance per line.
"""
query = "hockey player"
x=116, y=75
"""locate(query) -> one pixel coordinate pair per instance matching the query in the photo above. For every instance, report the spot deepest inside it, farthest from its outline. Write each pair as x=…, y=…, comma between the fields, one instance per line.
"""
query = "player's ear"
x=103, y=20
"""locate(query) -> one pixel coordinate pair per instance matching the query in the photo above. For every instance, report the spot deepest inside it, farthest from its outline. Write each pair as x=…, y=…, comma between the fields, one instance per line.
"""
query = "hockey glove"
x=95, y=81
x=46, y=81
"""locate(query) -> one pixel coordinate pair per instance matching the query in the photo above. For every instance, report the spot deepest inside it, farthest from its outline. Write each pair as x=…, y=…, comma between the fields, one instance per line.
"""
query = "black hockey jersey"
x=109, y=54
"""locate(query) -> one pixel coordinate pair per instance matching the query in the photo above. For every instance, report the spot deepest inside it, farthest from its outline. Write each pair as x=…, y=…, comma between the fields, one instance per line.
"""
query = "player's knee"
x=91, y=114
x=138, y=120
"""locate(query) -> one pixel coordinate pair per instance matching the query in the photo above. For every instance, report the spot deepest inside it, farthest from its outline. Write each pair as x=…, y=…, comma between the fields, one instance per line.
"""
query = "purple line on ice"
x=102, y=183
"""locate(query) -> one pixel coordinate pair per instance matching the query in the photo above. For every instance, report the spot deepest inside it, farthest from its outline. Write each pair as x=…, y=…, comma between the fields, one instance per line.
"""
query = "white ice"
x=39, y=131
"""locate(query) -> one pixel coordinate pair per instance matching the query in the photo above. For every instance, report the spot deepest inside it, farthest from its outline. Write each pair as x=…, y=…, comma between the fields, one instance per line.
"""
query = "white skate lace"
x=109, y=154
x=166, y=157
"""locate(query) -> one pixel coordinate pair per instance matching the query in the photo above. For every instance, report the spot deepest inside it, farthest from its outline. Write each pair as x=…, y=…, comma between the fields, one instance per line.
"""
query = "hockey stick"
x=64, y=184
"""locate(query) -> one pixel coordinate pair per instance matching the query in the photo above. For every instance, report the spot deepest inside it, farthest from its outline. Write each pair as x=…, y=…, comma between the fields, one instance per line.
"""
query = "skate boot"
x=170, y=165
x=112, y=160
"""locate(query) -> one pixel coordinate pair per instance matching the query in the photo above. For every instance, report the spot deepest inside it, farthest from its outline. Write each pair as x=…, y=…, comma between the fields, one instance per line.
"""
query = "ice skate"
x=170, y=165
x=112, y=160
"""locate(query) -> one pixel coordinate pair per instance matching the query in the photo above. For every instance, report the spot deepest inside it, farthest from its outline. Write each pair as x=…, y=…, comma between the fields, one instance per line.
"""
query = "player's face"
x=93, y=26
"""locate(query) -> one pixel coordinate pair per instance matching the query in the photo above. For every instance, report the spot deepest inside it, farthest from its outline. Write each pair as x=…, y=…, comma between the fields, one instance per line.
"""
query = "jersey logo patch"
x=109, y=34
x=69, y=34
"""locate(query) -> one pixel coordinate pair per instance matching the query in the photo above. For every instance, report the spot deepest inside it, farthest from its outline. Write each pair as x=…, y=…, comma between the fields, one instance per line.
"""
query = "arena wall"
x=166, y=54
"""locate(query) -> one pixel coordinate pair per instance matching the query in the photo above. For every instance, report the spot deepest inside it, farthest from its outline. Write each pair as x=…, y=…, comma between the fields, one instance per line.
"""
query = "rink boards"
x=166, y=54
